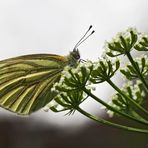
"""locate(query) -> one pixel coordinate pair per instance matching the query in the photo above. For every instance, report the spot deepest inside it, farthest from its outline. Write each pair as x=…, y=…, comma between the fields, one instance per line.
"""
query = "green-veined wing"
x=26, y=81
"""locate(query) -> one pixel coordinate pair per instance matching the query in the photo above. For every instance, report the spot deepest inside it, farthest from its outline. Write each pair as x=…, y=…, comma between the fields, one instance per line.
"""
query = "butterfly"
x=26, y=81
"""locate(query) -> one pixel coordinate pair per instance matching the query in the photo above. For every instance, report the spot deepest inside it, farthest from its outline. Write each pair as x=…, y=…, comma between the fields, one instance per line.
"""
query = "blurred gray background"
x=54, y=26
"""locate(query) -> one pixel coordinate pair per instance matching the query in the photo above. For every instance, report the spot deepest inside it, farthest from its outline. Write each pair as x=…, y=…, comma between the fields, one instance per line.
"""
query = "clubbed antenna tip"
x=84, y=37
x=90, y=27
x=93, y=32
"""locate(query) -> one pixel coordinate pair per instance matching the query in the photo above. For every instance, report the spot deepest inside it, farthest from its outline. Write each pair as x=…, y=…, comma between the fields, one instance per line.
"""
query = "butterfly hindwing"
x=26, y=81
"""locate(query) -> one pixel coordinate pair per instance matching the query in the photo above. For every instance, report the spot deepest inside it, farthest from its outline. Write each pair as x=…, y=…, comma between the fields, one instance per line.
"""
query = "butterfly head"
x=74, y=57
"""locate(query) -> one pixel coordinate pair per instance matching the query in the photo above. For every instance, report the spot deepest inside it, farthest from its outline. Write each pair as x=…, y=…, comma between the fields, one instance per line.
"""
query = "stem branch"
x=102, y=121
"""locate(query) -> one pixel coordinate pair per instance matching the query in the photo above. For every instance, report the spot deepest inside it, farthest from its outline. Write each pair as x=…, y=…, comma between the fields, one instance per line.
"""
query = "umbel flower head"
x=134, y=91
x=142, y=64
x=70, y=88
x=122, y=43
x=142, y=44
x=104, y=69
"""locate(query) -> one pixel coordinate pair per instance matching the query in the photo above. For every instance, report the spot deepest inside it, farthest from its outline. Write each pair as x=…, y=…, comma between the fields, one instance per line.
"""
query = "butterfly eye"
x=75, y=54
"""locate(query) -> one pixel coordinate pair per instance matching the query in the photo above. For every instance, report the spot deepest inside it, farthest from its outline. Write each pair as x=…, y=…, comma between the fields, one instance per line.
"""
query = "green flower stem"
x=135, y=114
x=139, y=120
x=137, y=71
x=128, y=98
x=103, y=121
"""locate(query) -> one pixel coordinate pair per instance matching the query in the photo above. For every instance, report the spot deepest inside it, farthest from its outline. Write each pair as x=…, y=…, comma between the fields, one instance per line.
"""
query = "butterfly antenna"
x=84, y=37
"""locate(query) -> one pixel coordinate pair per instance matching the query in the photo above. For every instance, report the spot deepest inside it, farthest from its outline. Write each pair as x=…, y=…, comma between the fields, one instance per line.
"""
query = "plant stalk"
x=103, y=121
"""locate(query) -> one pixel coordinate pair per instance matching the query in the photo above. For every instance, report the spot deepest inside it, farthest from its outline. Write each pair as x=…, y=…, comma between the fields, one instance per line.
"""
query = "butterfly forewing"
x=26, y=81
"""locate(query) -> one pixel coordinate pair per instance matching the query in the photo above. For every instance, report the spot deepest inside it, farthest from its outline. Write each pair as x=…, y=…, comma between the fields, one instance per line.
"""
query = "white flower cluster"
x=105, y=61
x=135, y=89
x=54, y=104
x=66, y=74
x=107, y=49
x=136, y=93
x=109, y=112
x=141, y=37
x=117, y=39
x=142, y=66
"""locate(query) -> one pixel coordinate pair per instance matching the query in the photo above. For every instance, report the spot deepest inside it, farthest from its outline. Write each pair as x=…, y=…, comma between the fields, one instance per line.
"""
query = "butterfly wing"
x=26, y=81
